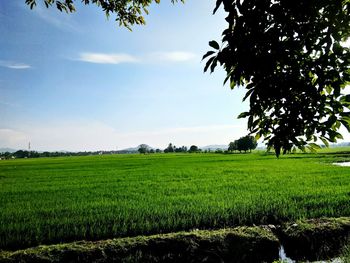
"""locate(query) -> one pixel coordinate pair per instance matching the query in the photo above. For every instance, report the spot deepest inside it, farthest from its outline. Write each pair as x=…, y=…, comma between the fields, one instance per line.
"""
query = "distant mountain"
x=214, y=147
x=2, y=150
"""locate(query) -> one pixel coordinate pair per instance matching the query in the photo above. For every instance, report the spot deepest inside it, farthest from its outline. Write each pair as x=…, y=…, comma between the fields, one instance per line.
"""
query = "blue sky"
x=80, y=82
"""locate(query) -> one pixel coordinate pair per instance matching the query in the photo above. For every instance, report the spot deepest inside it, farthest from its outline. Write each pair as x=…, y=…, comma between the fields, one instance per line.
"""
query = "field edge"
x=304, y=239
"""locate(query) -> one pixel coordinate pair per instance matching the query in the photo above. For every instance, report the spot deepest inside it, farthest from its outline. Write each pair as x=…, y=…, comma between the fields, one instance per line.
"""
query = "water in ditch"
x=285, y=259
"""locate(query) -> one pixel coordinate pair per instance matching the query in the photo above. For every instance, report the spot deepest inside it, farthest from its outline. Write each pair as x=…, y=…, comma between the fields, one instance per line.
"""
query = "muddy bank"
x=315, y=239
x=308, y=239
x=242, y=244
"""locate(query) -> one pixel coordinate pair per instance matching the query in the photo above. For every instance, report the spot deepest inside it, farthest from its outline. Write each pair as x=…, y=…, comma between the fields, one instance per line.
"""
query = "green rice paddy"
x=53, y=200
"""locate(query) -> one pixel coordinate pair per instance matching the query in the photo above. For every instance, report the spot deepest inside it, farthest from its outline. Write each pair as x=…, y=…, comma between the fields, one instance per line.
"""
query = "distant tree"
x=233, y=146
x=7, y=155
x=21, y=154
x=151, y=151
x=158, y=150
x=193, y=149
x=180, y=149
x=246, y=143
x=252, y=143
x=218, y=150
x=169, y=149
x=143, y=148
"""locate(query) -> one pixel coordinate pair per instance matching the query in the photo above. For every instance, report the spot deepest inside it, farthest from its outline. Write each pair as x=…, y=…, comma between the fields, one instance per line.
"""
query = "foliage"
x=127, y=12
x=289, y=57
x=243, y=144
x=246, y=143
x=193, y=149
x=233, y=146
x=169, y=149
x=143, y=148
x=53, y=200
x=181, y=149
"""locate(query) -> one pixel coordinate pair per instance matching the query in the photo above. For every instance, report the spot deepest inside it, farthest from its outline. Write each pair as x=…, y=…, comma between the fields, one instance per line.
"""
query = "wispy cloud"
x=118, y=58
x=173, y=56
x=103, y=58
x=14, y=65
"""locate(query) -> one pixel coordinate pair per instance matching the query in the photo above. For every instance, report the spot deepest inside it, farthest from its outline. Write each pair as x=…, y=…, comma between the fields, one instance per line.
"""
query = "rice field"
x=53, y=200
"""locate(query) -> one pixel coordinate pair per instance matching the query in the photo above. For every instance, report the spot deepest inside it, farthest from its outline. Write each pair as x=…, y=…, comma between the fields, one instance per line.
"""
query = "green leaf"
x=243, y=115
x=214, y=44
x=345, y=123
x=207, y=65
x=257, y=136
x=315, y=146
x=218, y=3
x=325, y=142
x=213, y=65
x=208, y=54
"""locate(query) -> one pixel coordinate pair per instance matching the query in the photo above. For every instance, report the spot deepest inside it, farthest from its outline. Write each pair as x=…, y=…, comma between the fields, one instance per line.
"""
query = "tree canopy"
x=289, y=57
x=243, y=144
x=127, y=12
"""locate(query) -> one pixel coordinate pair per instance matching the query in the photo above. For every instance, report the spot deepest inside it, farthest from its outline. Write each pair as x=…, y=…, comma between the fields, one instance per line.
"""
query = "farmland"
x=53, y=200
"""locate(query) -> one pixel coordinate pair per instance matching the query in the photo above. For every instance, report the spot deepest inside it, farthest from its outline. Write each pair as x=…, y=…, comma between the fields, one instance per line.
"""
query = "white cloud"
x=174, y=56
x=102, y=58
x=155, y=57
x=14, y=65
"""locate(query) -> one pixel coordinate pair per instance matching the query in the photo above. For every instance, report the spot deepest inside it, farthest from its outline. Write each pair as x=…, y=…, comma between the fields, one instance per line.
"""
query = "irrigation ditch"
x=304, y=240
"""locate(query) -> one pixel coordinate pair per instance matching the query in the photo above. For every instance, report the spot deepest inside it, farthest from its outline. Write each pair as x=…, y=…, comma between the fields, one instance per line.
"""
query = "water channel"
x=285, y=259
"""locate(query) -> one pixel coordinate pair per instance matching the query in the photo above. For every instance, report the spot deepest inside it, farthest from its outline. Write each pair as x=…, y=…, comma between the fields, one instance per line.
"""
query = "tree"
x=251, y=142
x=127, y=12
x=232, y=146
x=143, y=148
x=193, y=149
x=169, y=149
x=246, y=143
x=289, y=57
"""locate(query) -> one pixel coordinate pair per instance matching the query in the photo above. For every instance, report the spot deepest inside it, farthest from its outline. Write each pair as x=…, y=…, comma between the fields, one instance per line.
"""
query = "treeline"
x=246, y=143
x=144, y=148
x=35, y=154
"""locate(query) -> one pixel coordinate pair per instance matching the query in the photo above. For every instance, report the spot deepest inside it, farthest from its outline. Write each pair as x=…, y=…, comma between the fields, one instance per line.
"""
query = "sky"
x=78, y=82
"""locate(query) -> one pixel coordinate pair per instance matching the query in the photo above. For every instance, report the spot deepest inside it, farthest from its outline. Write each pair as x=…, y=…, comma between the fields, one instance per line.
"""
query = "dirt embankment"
x=308, y=239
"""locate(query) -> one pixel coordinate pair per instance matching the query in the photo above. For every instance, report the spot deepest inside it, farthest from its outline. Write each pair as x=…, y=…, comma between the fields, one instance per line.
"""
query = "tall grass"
x=53, y=200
